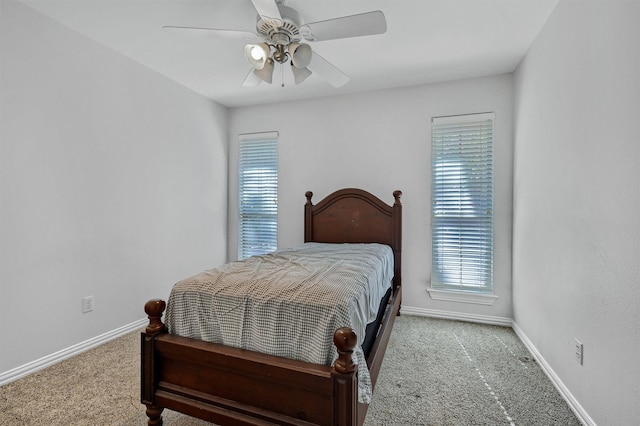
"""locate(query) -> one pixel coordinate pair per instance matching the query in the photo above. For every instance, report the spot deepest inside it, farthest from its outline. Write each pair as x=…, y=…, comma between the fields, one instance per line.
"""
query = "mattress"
x=287, y=303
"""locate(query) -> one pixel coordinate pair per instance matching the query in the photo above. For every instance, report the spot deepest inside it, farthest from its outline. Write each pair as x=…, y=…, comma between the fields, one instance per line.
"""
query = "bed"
x=228, y=385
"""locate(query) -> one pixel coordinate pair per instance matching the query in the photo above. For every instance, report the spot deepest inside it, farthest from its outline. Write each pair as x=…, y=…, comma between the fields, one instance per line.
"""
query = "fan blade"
x=251, y=79
x=327, y=70
x=232, y=34
x=363, y=24
x=268, y=11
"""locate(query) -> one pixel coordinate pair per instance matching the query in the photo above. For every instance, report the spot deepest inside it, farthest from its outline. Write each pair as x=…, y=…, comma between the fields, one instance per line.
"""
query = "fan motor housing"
x=280, y=32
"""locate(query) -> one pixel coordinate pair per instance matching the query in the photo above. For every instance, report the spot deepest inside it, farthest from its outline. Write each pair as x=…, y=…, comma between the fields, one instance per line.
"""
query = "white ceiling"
x=426, y=41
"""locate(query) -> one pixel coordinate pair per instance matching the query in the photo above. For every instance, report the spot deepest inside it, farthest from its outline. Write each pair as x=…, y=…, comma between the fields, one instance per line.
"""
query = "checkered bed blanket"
x=287, y=303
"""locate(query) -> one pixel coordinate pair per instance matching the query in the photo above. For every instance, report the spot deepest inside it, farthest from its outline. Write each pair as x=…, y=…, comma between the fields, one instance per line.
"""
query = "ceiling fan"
x=280, y=38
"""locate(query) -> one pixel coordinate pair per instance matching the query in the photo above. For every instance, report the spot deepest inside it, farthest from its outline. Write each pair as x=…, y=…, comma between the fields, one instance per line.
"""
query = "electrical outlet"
x=579, y=349
x=87, y=304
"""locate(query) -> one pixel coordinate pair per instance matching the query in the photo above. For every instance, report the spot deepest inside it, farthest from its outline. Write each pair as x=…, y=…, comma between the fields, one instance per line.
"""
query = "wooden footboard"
x=230, y=386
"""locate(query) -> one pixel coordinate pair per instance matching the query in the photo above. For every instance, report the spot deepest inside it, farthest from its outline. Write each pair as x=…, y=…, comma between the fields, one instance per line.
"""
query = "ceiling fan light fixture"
x=257, y=54
x=300, y=54
x=300, y=74
x=280, y=33
x=266, y=72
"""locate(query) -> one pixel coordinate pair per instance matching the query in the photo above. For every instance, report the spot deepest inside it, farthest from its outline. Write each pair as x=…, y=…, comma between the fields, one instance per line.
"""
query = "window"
x=462, y=203
x=258, y=194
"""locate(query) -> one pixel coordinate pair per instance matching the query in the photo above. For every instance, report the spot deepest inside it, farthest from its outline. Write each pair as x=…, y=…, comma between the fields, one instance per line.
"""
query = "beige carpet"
x=435, y=372
x=100, y=386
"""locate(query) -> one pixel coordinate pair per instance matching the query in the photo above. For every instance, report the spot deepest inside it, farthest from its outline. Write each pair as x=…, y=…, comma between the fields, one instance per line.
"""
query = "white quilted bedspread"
x=288, y=303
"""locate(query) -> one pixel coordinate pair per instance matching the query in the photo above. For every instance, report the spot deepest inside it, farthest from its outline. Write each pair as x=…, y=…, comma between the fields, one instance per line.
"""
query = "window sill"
x=463, y=296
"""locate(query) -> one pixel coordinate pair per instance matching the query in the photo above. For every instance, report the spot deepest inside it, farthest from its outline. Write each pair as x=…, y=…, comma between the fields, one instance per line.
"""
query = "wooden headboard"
x=353, y=215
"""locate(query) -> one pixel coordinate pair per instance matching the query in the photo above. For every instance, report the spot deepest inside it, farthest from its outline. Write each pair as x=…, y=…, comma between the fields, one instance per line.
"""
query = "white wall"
x=380, y=141
x=577, y=202
x=113, y=184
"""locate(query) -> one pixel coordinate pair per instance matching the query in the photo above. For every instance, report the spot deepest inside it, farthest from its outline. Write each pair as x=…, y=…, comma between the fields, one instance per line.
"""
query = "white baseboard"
x=44, y=362
x=560, y=386
x=483, y=319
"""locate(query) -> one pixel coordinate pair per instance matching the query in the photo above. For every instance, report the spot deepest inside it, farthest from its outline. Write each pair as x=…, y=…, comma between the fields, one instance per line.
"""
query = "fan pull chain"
x=282, y=74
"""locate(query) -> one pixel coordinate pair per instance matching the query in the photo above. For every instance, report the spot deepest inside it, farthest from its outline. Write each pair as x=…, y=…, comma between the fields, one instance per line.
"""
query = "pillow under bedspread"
x=288, y=303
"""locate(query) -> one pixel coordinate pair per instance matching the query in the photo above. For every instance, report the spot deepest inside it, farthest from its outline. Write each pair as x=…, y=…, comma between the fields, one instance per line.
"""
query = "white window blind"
x=258, y=194
x=462, y=203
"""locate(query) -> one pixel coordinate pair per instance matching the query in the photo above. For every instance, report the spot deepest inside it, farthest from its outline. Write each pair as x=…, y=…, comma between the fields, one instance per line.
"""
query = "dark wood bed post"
x=397, y=242
x=154, y=309
x=308, y=232
x=346, y=389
